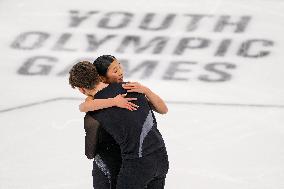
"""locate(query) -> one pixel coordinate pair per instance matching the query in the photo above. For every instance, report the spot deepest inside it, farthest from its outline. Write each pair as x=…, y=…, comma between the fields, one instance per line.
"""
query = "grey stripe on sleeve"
x=147, y=126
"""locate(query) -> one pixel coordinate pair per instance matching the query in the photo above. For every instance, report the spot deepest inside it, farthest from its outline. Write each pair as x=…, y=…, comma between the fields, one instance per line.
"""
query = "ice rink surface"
x=217, y=63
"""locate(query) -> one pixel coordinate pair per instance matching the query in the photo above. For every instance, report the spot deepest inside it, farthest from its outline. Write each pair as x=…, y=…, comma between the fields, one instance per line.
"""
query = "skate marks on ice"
x=168, y=102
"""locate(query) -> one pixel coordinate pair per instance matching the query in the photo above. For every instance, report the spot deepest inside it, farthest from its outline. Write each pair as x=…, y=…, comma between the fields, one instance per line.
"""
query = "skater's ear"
x=103, y=79
x=82, y=90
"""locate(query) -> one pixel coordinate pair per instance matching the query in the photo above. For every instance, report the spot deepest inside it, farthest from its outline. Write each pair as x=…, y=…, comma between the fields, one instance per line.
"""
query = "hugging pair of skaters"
x=121, y=129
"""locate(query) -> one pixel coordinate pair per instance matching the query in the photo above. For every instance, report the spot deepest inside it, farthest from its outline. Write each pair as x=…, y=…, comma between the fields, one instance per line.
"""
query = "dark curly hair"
x=102, y=63
x=83, y=75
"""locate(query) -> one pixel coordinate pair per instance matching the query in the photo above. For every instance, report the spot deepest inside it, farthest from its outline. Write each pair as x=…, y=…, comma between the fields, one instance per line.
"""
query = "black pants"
x=105, y=171
x=145, y=172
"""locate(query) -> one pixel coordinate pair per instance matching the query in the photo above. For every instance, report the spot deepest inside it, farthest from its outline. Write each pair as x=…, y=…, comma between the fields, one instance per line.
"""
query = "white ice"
x=219, y=135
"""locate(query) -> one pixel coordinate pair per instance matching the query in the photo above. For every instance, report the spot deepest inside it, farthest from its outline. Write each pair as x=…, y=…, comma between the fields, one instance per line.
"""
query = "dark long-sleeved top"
x=135, y=132
x=98, y=141
x=91, y=127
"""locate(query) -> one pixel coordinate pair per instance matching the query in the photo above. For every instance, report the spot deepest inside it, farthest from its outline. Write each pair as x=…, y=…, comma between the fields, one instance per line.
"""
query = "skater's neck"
x=99, y=87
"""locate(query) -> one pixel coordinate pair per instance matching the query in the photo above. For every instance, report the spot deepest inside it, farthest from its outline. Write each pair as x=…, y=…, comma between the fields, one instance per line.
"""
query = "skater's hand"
x=135, y=87
x=122, y=102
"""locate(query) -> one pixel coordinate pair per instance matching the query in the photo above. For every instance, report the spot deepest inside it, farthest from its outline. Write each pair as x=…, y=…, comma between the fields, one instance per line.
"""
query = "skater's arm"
x=91, y=127
x=157, y=103
x=91, y=104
